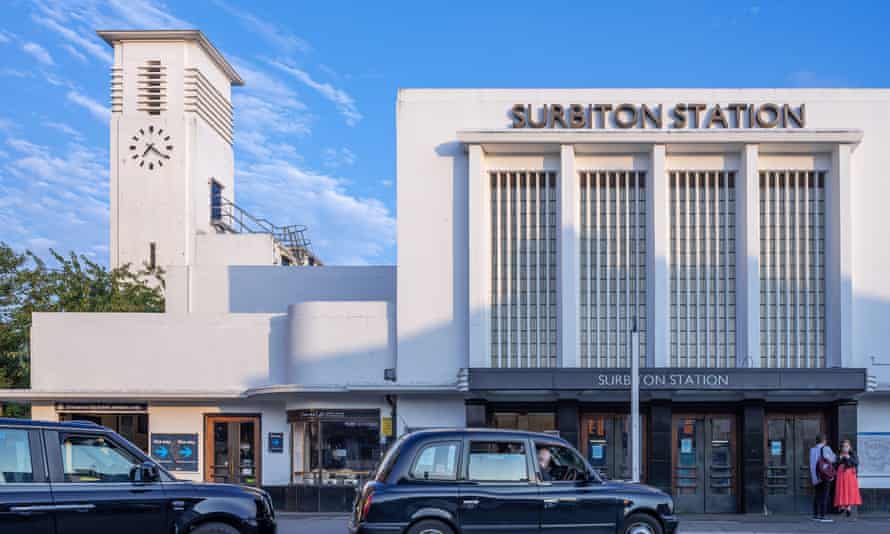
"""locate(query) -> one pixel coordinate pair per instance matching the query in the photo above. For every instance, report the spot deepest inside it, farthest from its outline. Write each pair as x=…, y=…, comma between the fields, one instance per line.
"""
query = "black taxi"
x=485, y=481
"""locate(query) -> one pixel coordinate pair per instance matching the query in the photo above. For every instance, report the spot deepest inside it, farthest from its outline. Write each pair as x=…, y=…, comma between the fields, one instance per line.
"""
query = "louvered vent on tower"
x=152, y=87
x=117, y=89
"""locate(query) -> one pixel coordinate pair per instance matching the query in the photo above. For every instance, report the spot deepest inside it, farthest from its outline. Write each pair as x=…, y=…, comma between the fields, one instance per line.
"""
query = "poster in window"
x=685, y=445
x=597, y=452
x=276, y=442
x=176, y=452
x=775, y=448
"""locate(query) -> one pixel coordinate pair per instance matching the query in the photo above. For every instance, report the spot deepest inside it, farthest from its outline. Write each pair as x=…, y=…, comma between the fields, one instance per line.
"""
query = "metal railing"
x=228, y=217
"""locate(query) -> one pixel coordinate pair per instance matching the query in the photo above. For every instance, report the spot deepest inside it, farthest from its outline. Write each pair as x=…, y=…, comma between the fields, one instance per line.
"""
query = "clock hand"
x=149, y=147
x=156, y=151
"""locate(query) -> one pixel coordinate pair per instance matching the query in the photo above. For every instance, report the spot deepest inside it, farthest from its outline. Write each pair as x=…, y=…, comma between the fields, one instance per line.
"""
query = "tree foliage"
x=74, y=284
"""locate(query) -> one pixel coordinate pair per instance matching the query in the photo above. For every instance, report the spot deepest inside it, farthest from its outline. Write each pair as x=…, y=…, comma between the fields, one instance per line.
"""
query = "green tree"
x=74, y=284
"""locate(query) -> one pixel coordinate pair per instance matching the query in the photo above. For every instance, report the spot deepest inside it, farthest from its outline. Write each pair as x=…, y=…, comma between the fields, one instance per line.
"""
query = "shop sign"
x=386, y=426
x=658, y=116
x=276, y=442
x=175, y=452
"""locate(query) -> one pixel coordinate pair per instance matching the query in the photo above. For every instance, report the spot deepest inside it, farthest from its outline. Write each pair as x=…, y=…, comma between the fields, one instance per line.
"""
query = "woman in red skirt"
x=846, y=489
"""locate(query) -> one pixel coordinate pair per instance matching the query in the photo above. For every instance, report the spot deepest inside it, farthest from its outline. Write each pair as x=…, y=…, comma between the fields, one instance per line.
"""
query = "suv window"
x=437, y=461
x=497, y=461
x=559, y=463
x=15, y=456
x=88, y=458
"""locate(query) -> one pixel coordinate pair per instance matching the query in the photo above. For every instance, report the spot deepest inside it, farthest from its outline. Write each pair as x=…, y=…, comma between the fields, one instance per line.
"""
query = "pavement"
x=699, y=524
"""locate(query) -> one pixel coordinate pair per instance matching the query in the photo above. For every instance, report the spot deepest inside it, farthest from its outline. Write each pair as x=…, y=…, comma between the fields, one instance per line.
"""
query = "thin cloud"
x=73, y=51
x=96, y=109
x=283, y=40
x=344, y=102
x=38, y=52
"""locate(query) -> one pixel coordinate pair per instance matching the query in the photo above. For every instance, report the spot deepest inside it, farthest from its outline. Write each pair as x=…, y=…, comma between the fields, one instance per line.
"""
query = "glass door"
x=607, y=445
x=233, y=450
x=705, y=472
x=787, y=483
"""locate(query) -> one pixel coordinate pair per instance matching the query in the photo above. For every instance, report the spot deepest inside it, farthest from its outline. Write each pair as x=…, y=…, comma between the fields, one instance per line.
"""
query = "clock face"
x=151, y=147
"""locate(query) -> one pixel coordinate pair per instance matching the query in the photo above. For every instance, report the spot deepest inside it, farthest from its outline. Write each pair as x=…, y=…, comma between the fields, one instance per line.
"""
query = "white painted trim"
x=658, y=240
x=479, y=191
x=570, y=267
x=748, y=259
x=838, y=260
x=552, y=140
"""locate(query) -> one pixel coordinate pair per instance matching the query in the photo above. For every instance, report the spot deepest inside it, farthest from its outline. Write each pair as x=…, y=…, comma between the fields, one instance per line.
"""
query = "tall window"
x=216, y=200
x=613, y=267
x=703, y=311
x=523, y=269
x=792, y=268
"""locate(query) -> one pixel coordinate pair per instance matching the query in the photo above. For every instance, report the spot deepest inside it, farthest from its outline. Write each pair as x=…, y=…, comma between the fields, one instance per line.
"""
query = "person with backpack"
x=822, y=475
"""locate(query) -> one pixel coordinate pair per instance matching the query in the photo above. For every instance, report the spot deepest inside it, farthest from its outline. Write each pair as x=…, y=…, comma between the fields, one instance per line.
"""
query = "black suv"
x=494, y=481
x=79, y=478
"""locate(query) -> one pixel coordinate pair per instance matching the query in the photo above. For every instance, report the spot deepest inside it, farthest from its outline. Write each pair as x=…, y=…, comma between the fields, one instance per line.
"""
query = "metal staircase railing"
x=226, y=216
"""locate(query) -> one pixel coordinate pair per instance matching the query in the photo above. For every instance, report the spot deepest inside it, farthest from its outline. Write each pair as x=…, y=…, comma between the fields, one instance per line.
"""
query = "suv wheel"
x=641, y=524
x=215, y=528
x=430, y=526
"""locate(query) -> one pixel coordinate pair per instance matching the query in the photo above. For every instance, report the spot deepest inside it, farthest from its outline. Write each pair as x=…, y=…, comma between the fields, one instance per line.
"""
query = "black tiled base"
x=875, y=500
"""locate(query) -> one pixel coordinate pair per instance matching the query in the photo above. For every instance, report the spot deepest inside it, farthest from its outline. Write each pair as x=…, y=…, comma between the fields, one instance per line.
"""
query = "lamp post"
x=635, y=402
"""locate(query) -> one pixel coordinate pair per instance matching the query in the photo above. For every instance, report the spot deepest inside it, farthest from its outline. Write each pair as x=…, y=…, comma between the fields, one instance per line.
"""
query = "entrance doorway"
x=232, y=454
x=787, y=481
x=704, y=460
x=605, y=442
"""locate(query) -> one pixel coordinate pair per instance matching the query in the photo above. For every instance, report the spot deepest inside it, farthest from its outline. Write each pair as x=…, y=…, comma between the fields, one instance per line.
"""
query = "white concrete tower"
x=171, y=143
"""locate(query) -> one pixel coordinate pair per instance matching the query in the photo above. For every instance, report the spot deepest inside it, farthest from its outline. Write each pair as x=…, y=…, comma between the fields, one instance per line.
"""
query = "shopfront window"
x=526, y=421
x=335, y=447
x=132, y=426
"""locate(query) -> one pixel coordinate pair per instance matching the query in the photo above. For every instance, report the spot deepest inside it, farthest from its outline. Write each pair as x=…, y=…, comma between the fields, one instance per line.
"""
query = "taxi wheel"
x=430, y=526
x=642, y=524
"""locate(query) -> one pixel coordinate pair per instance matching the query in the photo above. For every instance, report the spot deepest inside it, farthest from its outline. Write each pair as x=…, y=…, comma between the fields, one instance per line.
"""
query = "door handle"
x=470, y=503
x=568, y=499
x=551, y=503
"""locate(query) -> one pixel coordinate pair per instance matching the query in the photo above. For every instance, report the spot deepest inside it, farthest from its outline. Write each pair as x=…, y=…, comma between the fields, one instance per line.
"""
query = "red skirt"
x=846, y=488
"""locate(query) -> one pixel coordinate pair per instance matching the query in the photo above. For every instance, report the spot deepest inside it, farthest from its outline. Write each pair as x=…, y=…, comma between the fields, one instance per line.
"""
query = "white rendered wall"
x=430, y=411
x=140, y=352
x=336, y=344
x=433, y=196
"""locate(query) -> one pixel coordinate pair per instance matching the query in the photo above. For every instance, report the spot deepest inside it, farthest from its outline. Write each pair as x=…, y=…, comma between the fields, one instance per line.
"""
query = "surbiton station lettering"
x=658, y=116
x=676, y=380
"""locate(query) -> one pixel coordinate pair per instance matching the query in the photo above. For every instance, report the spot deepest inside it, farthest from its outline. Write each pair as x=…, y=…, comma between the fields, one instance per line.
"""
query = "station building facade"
x=735, y=241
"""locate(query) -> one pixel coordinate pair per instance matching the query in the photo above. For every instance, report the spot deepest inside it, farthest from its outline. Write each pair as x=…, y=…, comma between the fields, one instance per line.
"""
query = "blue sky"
x=314, y=126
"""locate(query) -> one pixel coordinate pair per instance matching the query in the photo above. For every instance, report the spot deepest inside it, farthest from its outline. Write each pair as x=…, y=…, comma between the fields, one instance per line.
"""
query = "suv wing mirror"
x=145, y=472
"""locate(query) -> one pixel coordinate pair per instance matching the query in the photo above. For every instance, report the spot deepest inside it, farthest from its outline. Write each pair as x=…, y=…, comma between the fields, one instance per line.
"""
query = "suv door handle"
x=551, y=503
x=470, y=503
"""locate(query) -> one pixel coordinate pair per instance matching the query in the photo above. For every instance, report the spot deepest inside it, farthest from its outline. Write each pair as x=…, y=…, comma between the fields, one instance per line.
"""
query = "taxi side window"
x=437, y=461
x=497, y=461
x=15, y=457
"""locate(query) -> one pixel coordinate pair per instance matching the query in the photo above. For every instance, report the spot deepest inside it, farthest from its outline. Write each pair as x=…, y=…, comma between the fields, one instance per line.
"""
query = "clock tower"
x=171, y=143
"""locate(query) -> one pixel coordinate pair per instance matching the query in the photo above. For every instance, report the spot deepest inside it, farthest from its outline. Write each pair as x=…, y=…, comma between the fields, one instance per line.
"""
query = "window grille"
x=613, y=267
x=524, y=265
x=703, y=278
x=792, y=268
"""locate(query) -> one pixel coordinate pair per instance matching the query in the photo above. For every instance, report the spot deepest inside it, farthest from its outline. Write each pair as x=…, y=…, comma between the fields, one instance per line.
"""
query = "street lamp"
x=635, y=402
